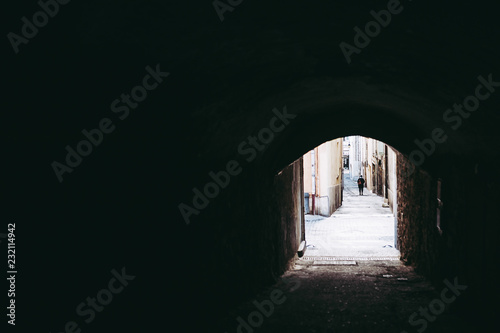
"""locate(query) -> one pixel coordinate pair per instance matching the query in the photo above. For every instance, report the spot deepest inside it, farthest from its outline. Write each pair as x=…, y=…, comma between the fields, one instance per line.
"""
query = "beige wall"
x=307, y=173
x=368, y=148
x=392, y=182
x=329, y=156
x=328, y=166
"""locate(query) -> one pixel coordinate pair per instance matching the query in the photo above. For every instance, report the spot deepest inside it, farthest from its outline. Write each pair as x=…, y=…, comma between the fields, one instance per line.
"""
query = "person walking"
x=361, y=184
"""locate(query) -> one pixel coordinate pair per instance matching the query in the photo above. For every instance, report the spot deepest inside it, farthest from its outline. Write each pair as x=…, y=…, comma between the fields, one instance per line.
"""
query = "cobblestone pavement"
x=361, y=227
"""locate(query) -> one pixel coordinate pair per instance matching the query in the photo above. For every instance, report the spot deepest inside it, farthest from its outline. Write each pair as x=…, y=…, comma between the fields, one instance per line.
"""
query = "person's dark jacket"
x=361, y=182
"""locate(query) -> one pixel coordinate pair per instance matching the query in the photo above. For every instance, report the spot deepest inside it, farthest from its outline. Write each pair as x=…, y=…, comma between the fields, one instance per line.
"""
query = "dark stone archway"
x=120, y=206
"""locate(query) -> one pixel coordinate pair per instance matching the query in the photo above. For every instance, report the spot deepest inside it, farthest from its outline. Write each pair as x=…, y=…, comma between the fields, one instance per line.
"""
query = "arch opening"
x=350, y=200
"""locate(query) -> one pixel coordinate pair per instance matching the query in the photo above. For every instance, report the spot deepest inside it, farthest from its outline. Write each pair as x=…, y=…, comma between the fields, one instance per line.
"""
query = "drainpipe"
x=313, y=173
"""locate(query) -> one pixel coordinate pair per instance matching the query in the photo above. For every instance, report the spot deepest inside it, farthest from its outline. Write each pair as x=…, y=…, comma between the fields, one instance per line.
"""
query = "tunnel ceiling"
x=266, y=55
x=227, y=76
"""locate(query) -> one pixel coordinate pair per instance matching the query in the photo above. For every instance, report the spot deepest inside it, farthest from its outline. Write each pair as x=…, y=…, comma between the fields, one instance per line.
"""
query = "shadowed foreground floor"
x=369, y=296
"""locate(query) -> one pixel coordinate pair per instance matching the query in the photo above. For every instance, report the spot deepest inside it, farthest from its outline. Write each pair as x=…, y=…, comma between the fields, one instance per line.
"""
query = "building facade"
x=323, y=172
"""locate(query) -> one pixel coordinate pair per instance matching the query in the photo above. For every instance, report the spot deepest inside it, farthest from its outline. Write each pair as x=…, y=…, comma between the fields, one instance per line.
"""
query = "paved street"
x=361, y=227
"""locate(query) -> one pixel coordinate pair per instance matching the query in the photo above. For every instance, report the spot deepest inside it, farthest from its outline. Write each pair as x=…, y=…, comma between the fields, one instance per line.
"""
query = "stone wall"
x=289, y=197
x=470, y=226
x=247, y=238
x=335, y=198
x=418, y=236
x=463, y=247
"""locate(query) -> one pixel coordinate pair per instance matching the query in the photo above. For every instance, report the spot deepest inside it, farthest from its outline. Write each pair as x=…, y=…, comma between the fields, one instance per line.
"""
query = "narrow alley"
x=361, y=227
